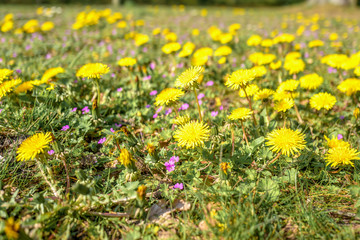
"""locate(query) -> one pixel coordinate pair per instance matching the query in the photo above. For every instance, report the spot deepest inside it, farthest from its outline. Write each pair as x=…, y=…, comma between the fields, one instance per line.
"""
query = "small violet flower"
x=51, y=152
x=340, y=136
x=64, y=128
x=152, y=93
x=214, y=113
x=209, y=83
x=102, y=140
x=178, y=186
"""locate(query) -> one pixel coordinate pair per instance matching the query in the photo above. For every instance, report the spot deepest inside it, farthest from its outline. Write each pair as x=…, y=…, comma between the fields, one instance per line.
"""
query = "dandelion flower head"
x=286, y=141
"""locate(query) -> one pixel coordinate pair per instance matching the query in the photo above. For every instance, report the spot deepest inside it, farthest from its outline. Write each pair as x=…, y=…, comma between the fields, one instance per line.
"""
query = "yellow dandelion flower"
x=356, y=113
x=168, y=96
x=322, y=100
x=267, y=42
x=127, y=62
x=259, y=71
x=225, y=167
x=92, y=70
x=12, y=228
x=316, y=43
x=284, y=38
x=264, y=93
x=199, y=60
x=141, y=39
x=171, y=47
x=240, y=78
x=181, y=120
x=150, y=148
x=8, y=86
x=286, y=141
x=24, y=87
x=292, y=55
x=223, y=51
x=189, y=77
x=125, y=158
x=341, y=156
x=240, y=114
x=5, y=73
x=335, y=142
x=33, y=146
x=311, y=81
x=275, y=65
x=50, y=73
x=294, y=66
x=349, y=86
x=225, y=38
x=192, y=134
x=334, y=60
x=47, y=26
x=356, y=71
x=254, y=40
x=279, y=95
x=256, y=58
x=251, y=90
x=284, y=104
x=288, y=85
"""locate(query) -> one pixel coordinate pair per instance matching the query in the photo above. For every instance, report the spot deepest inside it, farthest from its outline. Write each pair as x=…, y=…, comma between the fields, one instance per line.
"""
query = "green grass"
x=297, y=197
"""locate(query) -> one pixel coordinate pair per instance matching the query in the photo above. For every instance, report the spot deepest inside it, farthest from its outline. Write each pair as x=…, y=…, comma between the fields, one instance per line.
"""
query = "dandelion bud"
x=356, y=113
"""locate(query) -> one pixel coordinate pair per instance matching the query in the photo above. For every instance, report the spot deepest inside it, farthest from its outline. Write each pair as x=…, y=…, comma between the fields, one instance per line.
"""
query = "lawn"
x=154, y=122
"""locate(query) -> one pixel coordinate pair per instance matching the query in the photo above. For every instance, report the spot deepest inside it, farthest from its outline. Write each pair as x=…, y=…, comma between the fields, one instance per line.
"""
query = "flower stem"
x=250, y=106
x=245, y=136
x=198, y=105
x=298, y=114
x=46, y=179
x=276, y=158
x=232, y=141
x=96, y=103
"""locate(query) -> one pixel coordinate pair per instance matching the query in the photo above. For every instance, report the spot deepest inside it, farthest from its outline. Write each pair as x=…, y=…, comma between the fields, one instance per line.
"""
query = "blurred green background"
x=169, y=2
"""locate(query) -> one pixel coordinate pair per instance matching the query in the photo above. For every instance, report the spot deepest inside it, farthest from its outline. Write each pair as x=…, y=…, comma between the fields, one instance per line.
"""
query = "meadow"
x=153, y=122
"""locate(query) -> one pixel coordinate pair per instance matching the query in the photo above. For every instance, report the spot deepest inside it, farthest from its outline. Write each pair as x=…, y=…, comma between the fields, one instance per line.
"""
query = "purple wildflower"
x=85, y=110
x=152, y=93
x=184, y=106
x=214, y=113
x=51, y=152
x=170, y=166
x=74, y=109
x=200, y=96
x=178, y=186
x=209, y=83
x=119, y=89
x=102, y=140
x=340, y=136
x=168, y=111
x=64, y=128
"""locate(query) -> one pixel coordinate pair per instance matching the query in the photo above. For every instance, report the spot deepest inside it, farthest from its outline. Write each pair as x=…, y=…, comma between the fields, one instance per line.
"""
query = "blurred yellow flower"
x=311, y=81
x=127, y=62
x=240, y=114
x=322, y=100
x=92, y=70
x=284, y=104
x=189, y=77
x=168, y=96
